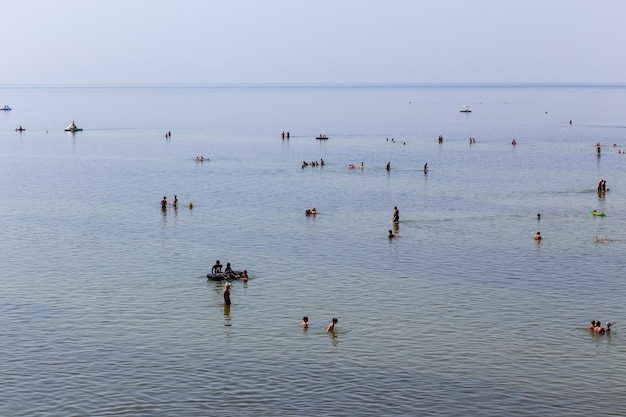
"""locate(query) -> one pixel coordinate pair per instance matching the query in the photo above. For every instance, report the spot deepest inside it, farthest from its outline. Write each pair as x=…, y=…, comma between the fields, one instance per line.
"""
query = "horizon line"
x=322, y=84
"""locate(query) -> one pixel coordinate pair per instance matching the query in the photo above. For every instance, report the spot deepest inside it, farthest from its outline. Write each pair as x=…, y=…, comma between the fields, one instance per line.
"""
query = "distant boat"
x=19, y=129
x=73, y=128
x=465, y=109
x=6, y=108
x=322, y=137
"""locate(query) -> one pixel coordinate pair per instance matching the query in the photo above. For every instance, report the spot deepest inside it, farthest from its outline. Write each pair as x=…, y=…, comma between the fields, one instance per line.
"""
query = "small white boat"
x=6, y=108
x=73, y=128
x=465, y=109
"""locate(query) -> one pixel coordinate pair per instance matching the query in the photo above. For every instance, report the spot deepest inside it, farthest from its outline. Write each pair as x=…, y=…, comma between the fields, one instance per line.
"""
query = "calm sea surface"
x=105, y=309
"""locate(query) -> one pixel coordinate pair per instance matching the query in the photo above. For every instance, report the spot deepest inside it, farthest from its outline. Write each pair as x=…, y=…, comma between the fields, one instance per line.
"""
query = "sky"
x=312, y=41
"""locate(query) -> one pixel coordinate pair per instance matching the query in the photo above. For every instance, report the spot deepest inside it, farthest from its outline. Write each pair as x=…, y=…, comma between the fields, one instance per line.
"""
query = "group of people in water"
x=228, y=274
x=596, y=327
x=173, y=204
x=394, y=141
x=313, y=163
x=352, y=166
x=329, y=328
x=201, y=158
x=285, y=135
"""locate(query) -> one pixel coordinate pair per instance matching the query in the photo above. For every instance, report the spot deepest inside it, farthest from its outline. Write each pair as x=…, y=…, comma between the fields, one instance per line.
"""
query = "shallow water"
x=105, y=308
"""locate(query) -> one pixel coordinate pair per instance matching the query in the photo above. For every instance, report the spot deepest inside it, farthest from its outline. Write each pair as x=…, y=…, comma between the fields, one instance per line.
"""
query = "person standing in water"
x=164, y=203
x=227, y=294
x=396, y=215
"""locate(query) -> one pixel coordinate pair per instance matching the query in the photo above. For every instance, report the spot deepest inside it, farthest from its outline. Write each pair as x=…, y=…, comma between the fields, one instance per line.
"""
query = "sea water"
x=105, y=308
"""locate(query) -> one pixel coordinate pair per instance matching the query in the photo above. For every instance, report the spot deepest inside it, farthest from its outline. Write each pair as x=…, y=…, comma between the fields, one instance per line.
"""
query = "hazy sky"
x=312, y=41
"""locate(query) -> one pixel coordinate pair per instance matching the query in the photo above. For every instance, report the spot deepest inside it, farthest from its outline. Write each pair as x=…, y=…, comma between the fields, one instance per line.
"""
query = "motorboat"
x=73, y=128
x=465, y=109
x=322, y=137
x=19, y=129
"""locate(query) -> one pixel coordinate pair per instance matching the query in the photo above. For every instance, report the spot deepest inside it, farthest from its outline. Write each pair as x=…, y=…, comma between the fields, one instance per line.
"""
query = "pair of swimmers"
x=330, y=328
x=174, y=203
x=596, y=327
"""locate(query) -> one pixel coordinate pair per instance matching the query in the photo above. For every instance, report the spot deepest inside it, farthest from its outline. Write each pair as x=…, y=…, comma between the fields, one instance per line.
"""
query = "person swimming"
x=305, y=322
x=599, y=329
x=331, y=326
x=537, y=237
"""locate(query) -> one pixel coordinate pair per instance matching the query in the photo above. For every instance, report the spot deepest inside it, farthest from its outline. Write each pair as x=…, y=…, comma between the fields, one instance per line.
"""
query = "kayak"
x=221, y=276
x=597, y=213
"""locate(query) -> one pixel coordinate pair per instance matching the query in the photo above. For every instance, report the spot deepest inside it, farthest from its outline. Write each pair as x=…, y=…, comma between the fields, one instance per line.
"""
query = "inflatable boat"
x=221, y=276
